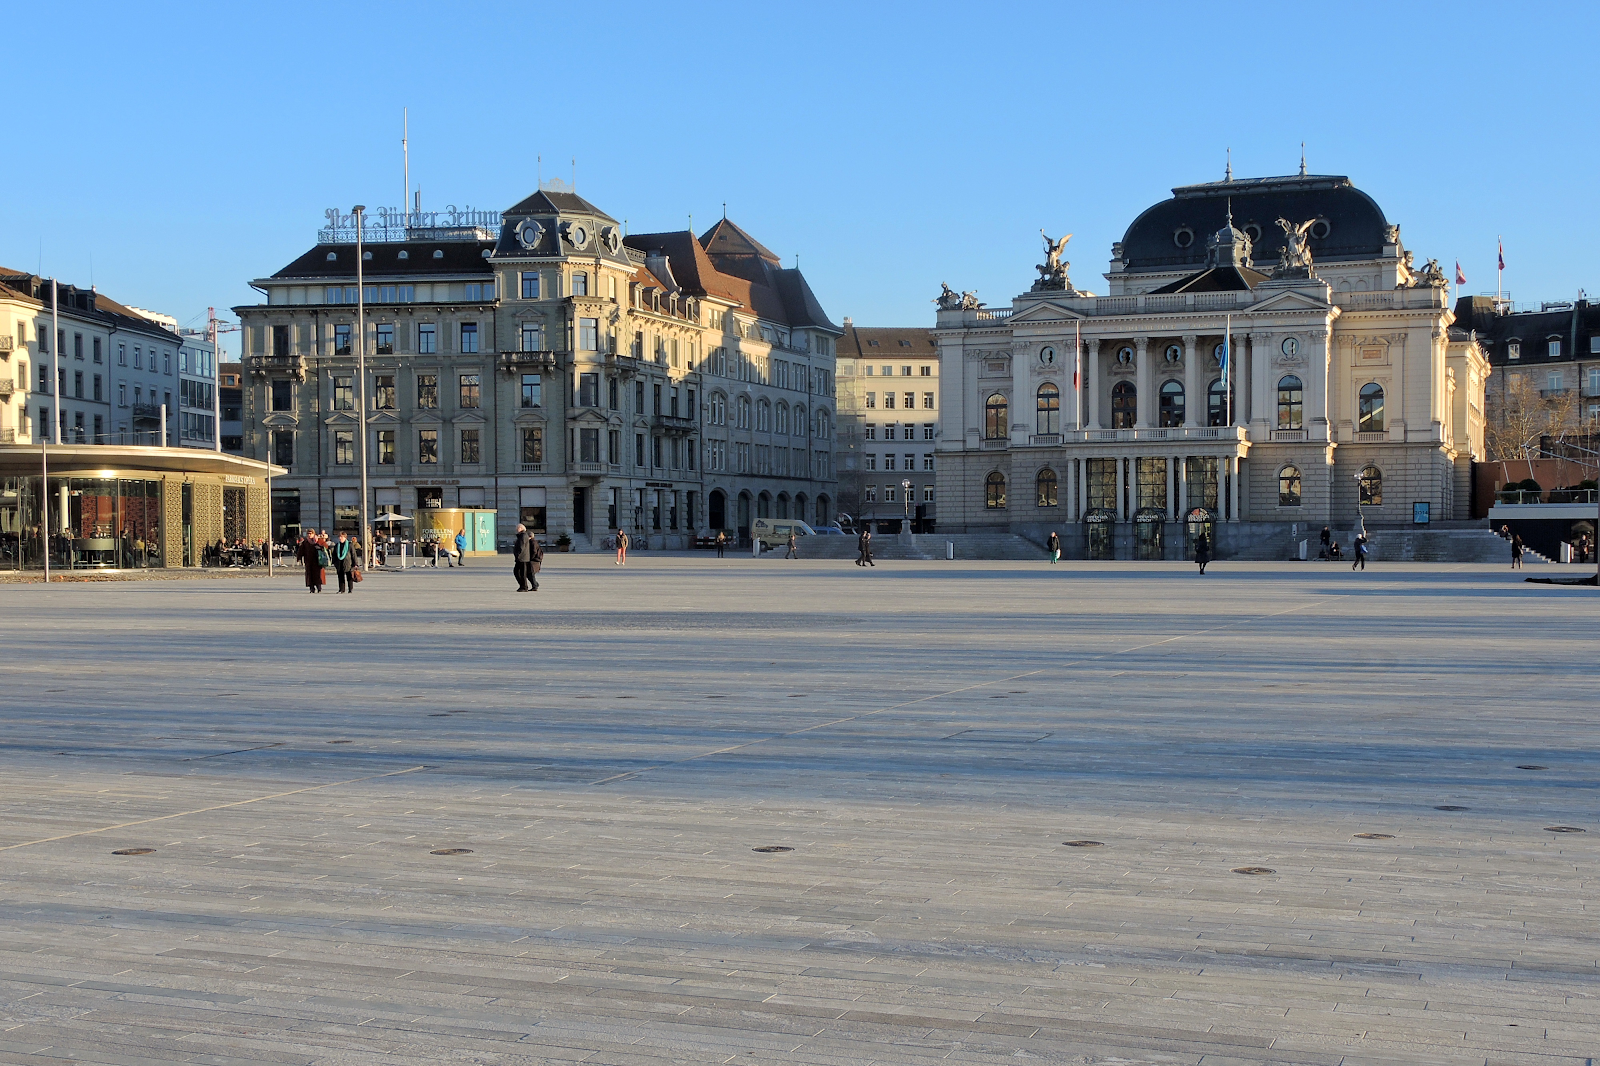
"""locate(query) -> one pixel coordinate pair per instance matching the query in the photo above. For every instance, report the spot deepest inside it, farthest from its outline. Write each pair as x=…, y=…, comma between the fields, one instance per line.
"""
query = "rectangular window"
x=77, y=384
x=1594, y=380
x=869, y=431
x=385, y=338
x=344, y=446
x=1513, y=350
x=1552, y=349
x=282, y=395
x=97, y=396
x=383, y=393
x=427, y=446
x=888, y=461
x=872, y=494
x=122, y=394
x=138, y=357
x=927, y=461
x=533, y=444
x=888, y=401
x=872, y=400
x=427, y=339
x=927, y=401
x=122, y=355
x=1553, y=380
x=166, y=362
x=872, y=462
x=385, y=447
x=927, y=494
x=589, y=391
x=580, y=284
x=530, y=337
x=588, y=333
x=99, y=429
x=588, y=445
x=655, y=395
x=97, y=351
x=471, y=387
x=469, y=337
x=283, y=447
x=638, y=449
x=890, y=494
x=530, y=285
x=614, y=448
x=341, y=342
x=927, y=431
x=890, y=430
x=344, y=394
x=470, y=452
x=531, y=388
x=428, y=391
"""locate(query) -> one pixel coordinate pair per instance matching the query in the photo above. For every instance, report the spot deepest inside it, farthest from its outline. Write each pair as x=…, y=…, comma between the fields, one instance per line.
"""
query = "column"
x=1172, y=490
x=1092, y=358
x=1082, y=466
x=1233, y=489
x=1141, y=381
x=1315, y=414
x=1124, y=513
x=1194, y=400
x=1261, y=414
x=1183, y=487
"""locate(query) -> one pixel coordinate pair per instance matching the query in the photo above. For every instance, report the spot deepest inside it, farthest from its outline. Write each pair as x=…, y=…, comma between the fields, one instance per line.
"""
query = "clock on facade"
x=1047, y=356
x=1290, y=346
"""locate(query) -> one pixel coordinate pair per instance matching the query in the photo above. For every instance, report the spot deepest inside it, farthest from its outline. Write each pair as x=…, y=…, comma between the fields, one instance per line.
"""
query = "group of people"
x=316, y=552
x=239, y=553
x=864, y=548
x=528, y=556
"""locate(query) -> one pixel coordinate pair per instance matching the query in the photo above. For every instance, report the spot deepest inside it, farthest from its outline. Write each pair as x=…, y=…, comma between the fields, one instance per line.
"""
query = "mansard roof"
x=886, y=342
x=459, y=257
x=1217, y=279
x=552, y=202
x=1171, y=234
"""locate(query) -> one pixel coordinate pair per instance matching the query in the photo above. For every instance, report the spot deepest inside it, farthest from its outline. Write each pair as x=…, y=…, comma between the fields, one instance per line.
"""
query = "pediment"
x=280, y=418
x=1288, y=300
x=530, y=416
x=340, y=418
x=1047, y=312
x=590, y=415
x=383, y=418
x=469, y=418
x=427, y=417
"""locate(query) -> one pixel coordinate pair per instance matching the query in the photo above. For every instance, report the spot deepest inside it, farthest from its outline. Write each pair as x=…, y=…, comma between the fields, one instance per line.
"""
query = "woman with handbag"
x=307, y=554
x=344, y=561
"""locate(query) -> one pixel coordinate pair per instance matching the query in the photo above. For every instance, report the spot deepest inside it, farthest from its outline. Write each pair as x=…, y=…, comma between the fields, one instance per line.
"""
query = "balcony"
x=517, y=362
x=1148, y=433
x=673, y=424
x=590, y=469
x=7, y=387
x=265, y=366
x=1288, y=436
x=147, y=412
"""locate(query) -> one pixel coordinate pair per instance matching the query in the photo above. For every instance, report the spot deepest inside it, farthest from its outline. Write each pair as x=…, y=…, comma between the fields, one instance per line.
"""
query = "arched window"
x=719, y=409
x=783, y=505
x=1371, y=484
x=781, y=419
x=1124, y=405
x=1049, y=409
x=1371, y=409
x=994, y=490
x=1289, y=402
x=1172, y=404
x=1045, y=482
x=994, y=424
x=744, y=412
x=1217, y=403
x=1289, y=487
x=799, y=420
x=824, y=426
x=764, y=505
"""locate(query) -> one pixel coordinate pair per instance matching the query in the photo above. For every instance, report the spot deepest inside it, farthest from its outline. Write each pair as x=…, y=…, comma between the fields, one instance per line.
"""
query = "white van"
x=774, y=532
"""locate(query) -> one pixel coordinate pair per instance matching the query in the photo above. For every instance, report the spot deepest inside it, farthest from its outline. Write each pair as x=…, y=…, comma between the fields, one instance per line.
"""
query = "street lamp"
x=1359, y=511
x=361, y=392
x=905, y=492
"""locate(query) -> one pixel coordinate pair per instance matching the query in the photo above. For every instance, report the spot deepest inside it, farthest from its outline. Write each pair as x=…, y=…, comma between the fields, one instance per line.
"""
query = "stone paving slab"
x=923, y=736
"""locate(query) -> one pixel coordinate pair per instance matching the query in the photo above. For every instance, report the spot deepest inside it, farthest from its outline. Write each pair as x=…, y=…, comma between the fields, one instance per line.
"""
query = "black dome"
x=1172, y=234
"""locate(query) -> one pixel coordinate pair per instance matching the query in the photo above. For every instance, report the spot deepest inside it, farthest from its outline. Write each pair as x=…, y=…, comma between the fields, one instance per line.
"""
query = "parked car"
x=823, y=531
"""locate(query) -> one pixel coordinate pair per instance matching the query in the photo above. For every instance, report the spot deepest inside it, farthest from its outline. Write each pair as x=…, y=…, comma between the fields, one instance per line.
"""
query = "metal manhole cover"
x=1562, y=829
x=1451, y=807
x=1254, y=870
x=770, y=849
x=152, y=851
x=451, y=851
x=1530, y=766
x=1374, y=836
x=1083, y=843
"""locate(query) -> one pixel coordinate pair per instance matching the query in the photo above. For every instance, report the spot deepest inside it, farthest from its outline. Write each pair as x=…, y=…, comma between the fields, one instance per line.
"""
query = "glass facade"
x=94, y=523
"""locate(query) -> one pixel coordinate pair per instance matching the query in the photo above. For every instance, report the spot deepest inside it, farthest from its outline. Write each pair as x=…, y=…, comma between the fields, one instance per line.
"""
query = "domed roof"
x=1171, y=234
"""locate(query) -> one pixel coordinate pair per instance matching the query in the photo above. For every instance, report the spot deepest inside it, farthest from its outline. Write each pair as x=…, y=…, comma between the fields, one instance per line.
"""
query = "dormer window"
x=438, y=253
x=333, y=256
x=1553, y=347
x=1513, y=350
x=404, y=254
x=366, y=255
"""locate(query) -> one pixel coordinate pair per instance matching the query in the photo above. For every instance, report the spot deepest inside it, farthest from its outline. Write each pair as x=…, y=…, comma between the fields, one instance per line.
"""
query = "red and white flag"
x=1461, y=279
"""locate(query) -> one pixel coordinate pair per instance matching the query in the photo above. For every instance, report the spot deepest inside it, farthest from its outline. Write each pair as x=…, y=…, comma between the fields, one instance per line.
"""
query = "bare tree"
x=1522, y=414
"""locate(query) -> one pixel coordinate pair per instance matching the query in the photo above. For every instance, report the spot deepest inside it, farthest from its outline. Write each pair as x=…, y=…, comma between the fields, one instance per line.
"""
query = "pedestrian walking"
x=722, y=543
x=1202, y=552
x=461, y=548
x=1053, y=543
x=1360, y=551
x=622, y=547
x=1327, y=543
x=306, y=552
x=344, y=562
x=535, y=560
x=864, y=542
x=791, y=553
x=522, y=558
x=1516, y=551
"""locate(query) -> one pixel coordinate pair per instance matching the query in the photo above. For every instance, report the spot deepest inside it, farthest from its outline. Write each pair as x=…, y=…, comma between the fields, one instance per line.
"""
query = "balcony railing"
x=7, y=387
x=674, y=423
x=147, y=411
x=1517, y=497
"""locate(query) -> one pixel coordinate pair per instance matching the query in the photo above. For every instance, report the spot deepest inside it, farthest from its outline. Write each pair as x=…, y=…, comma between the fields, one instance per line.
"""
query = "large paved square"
x=441, y=821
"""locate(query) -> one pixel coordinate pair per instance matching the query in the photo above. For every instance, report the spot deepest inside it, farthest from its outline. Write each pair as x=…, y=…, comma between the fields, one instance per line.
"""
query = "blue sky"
x=173, y=152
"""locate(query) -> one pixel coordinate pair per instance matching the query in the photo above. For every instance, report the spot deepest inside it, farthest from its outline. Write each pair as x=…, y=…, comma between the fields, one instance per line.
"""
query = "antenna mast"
x=405, y=150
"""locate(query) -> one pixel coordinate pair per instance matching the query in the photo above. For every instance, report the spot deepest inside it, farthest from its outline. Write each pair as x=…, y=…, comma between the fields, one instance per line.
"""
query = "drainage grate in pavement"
x=1530, y=766
x=152, y=851
x=1562, y=829
x=1451, y=807
x=771, y=849
x=1253, y=870
x=451, y=851
x=1374, y=836
x=1083, y=843
x=998, y=736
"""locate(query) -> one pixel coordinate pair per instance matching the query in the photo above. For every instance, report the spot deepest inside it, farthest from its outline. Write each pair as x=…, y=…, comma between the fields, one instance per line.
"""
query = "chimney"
x=848, y=323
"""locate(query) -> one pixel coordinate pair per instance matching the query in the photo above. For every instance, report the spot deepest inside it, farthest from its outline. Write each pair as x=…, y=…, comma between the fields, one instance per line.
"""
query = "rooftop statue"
x=1053, y=271
x=1296, y=256
x=949, y=299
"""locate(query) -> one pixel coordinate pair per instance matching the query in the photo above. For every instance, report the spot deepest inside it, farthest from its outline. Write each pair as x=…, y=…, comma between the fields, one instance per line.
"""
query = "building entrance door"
x=1100, y=534
x=1149, y=535
x=188, y=524
x=580, y=510
x=1197, y=521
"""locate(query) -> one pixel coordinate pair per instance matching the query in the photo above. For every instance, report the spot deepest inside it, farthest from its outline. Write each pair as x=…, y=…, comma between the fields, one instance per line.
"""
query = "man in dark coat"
x=536, y=559
x=1053, y=544
x=307, y=554
x=522, y=555
x=865, y=543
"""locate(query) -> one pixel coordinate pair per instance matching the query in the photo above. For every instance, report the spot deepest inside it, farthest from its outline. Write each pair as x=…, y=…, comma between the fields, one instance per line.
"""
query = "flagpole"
x=1077, y=375
x=1227, y=367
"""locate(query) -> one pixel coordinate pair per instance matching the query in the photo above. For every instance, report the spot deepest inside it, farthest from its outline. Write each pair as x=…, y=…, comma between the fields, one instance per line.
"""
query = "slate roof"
x=75, y=302
x=460, y=257
x=1217, y=279
x=1575, y=325
x=892, y=342
x=743, y=273
x=1356, y=224
x=554, y=203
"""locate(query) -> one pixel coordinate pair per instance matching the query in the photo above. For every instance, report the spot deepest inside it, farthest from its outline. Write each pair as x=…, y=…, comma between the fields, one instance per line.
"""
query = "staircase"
x=927, y=546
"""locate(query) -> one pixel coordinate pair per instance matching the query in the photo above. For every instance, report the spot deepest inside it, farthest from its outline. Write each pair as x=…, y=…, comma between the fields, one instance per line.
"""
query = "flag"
x=1500, y=246
x=1223, y=362
x=1461, y=279
x=1077, y=354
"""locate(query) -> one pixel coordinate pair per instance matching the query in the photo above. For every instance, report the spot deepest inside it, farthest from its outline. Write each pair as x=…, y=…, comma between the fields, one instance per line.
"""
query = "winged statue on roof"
x=1296, y=250
x=1053, y=271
